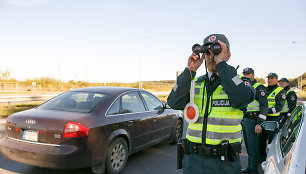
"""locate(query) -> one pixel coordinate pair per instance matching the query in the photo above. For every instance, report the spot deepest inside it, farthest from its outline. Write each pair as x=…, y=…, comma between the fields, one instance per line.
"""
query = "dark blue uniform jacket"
x=240, y=94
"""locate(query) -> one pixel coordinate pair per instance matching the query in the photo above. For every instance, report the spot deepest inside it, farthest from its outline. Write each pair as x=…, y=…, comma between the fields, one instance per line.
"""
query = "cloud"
x=28, y=3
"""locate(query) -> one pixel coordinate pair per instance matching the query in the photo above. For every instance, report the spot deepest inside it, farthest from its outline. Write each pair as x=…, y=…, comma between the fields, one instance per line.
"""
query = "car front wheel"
x=117, y=156
x=177, y=131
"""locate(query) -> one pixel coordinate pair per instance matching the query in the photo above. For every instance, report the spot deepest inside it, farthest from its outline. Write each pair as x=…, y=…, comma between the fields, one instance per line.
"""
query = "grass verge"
x=162, y=97
x=6, y=110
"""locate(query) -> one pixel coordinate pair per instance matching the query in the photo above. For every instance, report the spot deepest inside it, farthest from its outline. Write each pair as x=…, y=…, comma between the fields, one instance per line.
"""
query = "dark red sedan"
x=96, y=127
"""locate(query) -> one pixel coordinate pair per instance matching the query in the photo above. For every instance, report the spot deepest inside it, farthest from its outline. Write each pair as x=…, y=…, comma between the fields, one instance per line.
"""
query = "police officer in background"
x=213, y=143
x=290, y=102
x=252, y=121
x=276, y=100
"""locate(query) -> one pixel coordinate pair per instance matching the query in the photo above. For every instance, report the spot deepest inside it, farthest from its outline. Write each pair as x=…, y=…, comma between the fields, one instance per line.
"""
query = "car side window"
x=131, y=103
x=290, y=131
x=152, y=102
x=115, y=108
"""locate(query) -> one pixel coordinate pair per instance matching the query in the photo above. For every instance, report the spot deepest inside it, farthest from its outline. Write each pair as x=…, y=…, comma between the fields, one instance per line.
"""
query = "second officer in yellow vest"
x=276, y=99
x=213, y=143
x=290, y=102
x=252, y=121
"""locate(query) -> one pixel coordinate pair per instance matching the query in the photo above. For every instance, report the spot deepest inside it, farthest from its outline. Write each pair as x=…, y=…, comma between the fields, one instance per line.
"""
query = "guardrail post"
x=9, y=105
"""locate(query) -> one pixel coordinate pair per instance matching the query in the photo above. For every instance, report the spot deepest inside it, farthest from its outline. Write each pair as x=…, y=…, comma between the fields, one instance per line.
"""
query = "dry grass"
x=302, y=93
x=6, y=110
x=162, y=97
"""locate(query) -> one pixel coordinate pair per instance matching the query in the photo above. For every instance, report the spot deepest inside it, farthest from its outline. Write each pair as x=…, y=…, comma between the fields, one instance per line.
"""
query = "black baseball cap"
x=283, y=80
x=272, y=75
x=213, y=38
x=248, y=71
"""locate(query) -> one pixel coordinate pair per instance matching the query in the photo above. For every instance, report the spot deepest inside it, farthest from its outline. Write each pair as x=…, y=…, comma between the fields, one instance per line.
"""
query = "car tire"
x=177, y=131
x=117, y=156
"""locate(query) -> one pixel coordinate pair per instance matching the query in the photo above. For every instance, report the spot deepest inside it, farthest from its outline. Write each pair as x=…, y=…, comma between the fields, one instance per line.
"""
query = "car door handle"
x=130, y=123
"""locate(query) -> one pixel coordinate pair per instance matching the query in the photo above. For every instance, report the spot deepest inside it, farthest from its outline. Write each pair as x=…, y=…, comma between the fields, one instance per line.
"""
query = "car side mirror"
x=270, y=126
x=165, y=106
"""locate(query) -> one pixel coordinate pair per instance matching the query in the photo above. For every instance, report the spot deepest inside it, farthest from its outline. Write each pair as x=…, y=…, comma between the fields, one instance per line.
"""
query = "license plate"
x=30, y=135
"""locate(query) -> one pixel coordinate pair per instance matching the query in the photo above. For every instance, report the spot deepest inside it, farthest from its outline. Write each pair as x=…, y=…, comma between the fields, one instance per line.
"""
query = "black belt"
x=203, y=150
x=251, y=115
x=225, y=150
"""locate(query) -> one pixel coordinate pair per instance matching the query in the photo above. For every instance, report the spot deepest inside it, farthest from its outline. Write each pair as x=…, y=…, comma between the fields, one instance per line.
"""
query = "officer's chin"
x=212, y=69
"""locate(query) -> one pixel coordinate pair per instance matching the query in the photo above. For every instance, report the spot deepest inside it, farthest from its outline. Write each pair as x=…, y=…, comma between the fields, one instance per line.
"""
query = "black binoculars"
x=215, y=48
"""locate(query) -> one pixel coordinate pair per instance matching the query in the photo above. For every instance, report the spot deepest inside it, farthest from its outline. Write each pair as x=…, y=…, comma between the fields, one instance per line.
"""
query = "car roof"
x=106, y=89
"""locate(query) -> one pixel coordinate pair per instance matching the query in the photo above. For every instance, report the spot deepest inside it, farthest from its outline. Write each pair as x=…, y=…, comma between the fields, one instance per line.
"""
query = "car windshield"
x=74, y=102
x=290, y=131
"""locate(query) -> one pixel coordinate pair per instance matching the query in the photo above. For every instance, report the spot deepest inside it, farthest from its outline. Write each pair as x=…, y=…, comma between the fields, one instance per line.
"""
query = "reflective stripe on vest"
x=254, y=105
x=223, y=122
x=286, y=107
x=271, y=100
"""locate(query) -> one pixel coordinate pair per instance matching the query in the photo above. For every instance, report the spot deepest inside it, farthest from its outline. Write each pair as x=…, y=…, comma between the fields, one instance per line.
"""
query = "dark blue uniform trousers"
x=197, y=164
x=251, y=143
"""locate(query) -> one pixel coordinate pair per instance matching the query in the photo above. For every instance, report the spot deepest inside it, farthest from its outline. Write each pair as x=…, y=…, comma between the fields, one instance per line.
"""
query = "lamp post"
x=140, y=51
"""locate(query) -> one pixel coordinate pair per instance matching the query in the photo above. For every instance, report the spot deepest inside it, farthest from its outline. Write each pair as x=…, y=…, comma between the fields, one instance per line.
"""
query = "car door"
x=286, y=143
x=138, y=121
x=162, y=121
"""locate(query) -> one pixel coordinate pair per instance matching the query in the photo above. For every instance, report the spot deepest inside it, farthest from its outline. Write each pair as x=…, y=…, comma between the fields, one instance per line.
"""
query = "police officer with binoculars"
x=213, y=109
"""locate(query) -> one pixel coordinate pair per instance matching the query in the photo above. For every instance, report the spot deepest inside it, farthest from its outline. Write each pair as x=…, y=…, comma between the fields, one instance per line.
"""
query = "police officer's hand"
x=224, y=55
x=194, y=62
x=258, y=129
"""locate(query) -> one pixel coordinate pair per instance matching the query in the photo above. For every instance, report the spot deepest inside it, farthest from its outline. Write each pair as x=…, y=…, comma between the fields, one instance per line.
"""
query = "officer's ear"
x=228, y=55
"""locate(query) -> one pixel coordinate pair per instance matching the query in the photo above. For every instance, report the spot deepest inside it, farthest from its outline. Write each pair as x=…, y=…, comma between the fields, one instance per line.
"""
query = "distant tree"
x=261, y=80
x=293, y=82
x=5, y=75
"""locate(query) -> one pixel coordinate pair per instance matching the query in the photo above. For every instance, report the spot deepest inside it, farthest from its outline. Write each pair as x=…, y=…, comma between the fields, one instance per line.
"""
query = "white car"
x=287, y=152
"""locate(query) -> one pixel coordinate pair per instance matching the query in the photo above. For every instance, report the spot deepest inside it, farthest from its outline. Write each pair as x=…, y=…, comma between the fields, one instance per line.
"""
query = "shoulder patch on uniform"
x=247, y=83
x=292, y=98
x=262, y=93
x=284, y=96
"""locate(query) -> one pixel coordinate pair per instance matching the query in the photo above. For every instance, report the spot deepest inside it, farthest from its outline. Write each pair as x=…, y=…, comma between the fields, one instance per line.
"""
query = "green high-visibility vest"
x=254, y=106
x=271, y=100
x=286, y=107
x=223, y=122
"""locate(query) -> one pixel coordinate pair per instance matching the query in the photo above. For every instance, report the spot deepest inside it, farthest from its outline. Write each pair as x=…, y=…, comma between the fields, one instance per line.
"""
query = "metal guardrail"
x=13, y=99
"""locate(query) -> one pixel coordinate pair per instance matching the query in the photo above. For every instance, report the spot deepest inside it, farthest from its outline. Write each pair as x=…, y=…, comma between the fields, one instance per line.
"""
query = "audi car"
x=287, y=152
x=97, y=127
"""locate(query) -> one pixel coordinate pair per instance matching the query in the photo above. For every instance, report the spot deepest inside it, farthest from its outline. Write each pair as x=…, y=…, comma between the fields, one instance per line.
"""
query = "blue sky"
x=100, y=40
